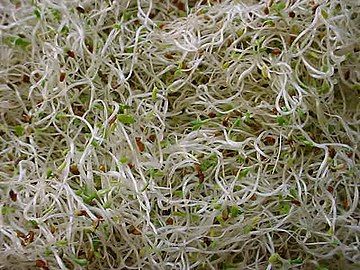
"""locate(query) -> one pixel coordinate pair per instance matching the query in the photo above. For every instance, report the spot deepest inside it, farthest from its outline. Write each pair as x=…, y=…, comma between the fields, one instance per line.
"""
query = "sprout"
x=179, y=134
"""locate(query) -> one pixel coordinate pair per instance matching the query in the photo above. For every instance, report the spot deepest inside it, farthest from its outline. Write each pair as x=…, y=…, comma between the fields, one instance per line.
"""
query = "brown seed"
x=292, y=14
x=71, y=54
x=102, y=168
x=25, y=78
x=26, y=118
x=13, y=195
x=62, y=76
x=152, y=138
x=197, y=168
x=30, y=237
x=201, y=177
x=276, y=51
x=74, y=169
x=139, y=144
x=347, y=75
x=225, y=214
x=80, y=9
x=82, y=213
x=130, y=165
x=212, y=114
x=296, y=202
x=133, y=230
x=332, y=152
x=253, y=197
x=41, y=264
x=169, y=221
x=330, y=189
x=169, y=56
x=20, y=234
x=266, y=10
x=346, y=204
x=207, y=241
x=52, y=229
x=180, y=5
x=269, y=140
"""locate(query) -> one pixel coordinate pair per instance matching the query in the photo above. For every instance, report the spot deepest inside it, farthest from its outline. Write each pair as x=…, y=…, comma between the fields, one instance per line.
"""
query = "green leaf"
x=123, y=107
x=275, y=258
x=6, y=210
x=19, y=130
x=235, y=211
x=126, y=118
x=197, y=124
x=154, y=93
x=284, y=208
x=296, y=261
x=81, y=262
x=124, y=160
x=21, y=42
x=65, y=30
x=281, y=121
x=211, y=161
x=279, y=6
x=243, y=173
x=37, y=13
x=57, y=14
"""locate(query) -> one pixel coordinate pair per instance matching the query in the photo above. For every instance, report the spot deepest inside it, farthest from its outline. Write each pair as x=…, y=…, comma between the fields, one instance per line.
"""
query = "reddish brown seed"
x=253, y=197
x=52, y=229
x=269, y=140
x=332, y=152
x=180, y=5
x=169, y=221
x=266, y=10
x=212, y=114
x=82, y=213
x=152, y=138
x=197, y=168
x=80, y=9
x=296, y=202
x=13, y=195
x=30, y=237
x=330, y=189
x=169, y=56
x=292, y=14
x=130, y=165
x=25, y=78
x=26, y=118
x=133, y=230
x=347, y=75
x=276, y=51
x=41, y=263
x=225, y=215
x=201, y=177
x=346, y=204
x=71, y=54
x=62, y=76
x=139, y=144
x=207, y=241
x=20, y=234
x=74, y=169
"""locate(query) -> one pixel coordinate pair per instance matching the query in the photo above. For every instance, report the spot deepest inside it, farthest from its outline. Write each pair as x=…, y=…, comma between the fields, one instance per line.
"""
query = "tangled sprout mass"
x=161, y=134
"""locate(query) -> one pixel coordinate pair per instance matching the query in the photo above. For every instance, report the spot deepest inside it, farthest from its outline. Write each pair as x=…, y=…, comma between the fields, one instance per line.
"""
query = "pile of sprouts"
x=179, y=134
